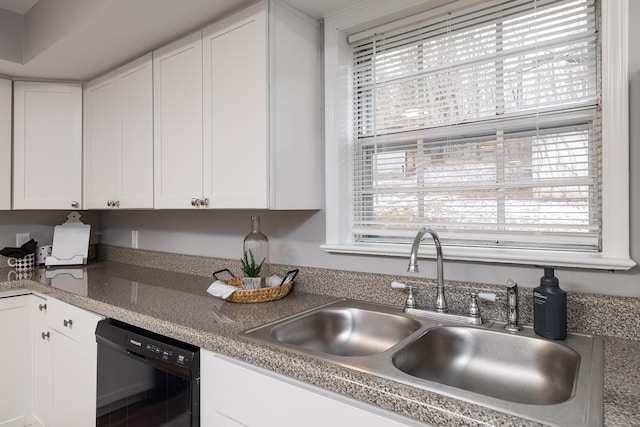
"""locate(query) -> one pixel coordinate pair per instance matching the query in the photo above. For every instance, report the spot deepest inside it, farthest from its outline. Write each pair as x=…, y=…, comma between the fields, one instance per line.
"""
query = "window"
x=482, y=123
x=486, y=121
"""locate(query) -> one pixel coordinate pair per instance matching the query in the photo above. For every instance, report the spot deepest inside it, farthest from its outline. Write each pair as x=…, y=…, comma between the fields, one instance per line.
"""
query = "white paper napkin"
x=274, y=281
x=221, y=290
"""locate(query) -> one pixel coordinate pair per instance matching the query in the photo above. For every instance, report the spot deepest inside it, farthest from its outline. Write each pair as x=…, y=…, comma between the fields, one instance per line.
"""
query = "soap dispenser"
x=550, y=307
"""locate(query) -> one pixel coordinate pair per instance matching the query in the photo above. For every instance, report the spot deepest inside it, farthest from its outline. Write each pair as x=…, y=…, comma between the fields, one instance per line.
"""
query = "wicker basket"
x=259, y=295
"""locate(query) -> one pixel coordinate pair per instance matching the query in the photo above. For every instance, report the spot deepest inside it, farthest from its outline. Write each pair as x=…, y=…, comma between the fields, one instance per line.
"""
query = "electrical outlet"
x=134, y=239
x=22, y=238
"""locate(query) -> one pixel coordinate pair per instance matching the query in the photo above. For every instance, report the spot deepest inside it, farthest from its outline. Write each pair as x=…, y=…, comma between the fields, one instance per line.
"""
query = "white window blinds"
x=483, y=123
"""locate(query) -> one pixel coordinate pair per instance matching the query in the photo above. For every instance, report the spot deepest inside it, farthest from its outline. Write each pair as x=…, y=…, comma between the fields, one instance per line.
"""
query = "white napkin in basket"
x=221, y=290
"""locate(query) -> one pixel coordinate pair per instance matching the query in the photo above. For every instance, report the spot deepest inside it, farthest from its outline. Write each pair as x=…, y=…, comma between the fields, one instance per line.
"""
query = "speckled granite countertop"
x=177, y=305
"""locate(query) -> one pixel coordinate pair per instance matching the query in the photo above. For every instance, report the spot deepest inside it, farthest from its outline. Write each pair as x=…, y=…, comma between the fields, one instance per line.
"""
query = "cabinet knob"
x=68, y=323
x=75, y=204
x=45, y=335
x=116, y=203
x=42, y=307
x=197, y=202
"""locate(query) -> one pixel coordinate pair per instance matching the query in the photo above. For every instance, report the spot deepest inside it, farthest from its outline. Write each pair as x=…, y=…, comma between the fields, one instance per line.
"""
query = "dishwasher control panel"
x=148, y=347
x=145, y=344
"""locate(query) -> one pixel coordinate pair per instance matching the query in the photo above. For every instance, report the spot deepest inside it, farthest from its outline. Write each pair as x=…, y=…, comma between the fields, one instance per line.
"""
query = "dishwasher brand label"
x=136, y=343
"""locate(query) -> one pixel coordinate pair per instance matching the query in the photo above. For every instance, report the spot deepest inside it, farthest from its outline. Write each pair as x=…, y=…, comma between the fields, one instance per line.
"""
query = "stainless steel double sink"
x=557, y=383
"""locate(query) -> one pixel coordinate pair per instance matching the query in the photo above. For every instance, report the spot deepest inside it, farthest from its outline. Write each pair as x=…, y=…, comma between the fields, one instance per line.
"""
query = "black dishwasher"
x=145, y=379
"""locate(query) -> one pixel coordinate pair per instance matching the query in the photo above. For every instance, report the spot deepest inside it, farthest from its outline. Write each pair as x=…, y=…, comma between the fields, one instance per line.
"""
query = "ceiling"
x=80, y=39
x=17, y=6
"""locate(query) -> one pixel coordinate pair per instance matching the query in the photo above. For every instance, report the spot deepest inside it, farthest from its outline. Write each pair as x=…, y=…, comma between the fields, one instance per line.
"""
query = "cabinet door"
x=236, y=110
x=177, y=139
x=73, y=364
x=102, y=139
x=5, y=144
x=295, y=110
x=47, y=146
x=73, y=381
x=15, y=361
x=41, y=390
x=227, y=386
x=135, y=168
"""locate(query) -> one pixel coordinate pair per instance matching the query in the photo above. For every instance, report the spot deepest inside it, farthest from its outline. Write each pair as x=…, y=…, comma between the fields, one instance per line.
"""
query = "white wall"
x=40, y=225
x=10, y=36
x=50, y=21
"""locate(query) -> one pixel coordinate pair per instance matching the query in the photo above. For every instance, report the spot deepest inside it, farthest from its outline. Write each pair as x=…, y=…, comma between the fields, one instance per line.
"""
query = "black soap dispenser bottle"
x=550, y=307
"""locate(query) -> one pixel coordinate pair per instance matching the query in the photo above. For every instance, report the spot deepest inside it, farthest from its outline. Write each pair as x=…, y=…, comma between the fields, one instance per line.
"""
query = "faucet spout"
x=441, y=303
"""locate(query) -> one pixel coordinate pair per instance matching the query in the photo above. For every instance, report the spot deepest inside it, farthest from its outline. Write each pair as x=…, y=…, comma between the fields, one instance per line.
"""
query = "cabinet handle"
x=194, y=202
x=204, y=202
x=42, y=307
x=75, y=204
x=68, y=323
x=109, y=203
x=46, y=335
x=116, y=203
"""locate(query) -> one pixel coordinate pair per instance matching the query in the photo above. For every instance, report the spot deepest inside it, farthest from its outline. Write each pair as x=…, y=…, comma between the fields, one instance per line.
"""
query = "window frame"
x=615, y=140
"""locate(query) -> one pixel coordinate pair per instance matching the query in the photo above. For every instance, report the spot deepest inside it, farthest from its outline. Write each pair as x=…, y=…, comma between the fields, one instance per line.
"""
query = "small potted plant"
x=252, y=279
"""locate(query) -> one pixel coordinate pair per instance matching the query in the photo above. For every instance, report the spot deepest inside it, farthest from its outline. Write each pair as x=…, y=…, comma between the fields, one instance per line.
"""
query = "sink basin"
x=556, y=383
x=345, y=331
x=510, y=367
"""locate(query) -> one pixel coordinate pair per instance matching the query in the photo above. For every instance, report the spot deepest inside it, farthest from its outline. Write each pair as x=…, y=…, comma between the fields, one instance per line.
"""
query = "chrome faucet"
x=512, y=299
x=441, y=303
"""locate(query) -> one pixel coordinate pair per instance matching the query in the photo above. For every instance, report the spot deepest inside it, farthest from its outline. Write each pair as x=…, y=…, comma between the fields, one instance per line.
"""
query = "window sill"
x=595, y=261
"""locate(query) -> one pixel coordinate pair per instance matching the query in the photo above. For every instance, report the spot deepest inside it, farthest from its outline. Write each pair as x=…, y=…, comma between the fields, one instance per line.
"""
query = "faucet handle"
x=411, y=301
x=474, y=310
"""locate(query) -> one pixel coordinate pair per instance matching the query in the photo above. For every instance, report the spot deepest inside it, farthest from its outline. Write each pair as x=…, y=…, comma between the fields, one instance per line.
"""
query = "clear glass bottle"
x=258, y=244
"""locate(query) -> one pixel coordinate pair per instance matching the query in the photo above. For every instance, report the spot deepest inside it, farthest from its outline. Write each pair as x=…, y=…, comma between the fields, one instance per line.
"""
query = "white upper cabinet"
x=262, y=110
x=47, y=145
x=101, y=141
x=5, y=144
x=119, y=138
x=237, y=114
x=177, y=87
x=295, y=104
x=135, y=177
x=236, y=110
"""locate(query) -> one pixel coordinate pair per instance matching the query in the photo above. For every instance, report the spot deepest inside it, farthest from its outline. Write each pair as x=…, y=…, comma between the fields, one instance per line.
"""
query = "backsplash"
x=587, y=313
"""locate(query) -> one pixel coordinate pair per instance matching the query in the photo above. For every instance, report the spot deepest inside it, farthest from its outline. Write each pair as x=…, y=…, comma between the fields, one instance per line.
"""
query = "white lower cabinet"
x=48, y=366
x=73, y=382
x=236, y=394
x=41, y=385
x=73, y=364
x=15, y=360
